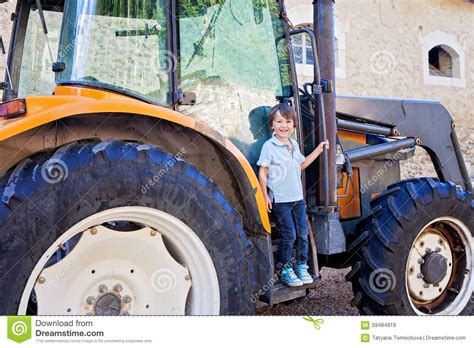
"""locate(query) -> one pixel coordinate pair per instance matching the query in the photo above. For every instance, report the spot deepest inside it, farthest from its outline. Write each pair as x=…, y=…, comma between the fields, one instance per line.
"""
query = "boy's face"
x=283, y=127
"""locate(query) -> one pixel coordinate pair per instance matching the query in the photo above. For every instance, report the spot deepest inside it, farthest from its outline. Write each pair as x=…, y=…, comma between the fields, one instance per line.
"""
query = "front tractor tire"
x=417, y=257
x=119, y=228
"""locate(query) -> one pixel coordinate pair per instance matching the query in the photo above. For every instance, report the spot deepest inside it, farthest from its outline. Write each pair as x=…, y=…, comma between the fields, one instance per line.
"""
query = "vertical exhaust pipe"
x=324, y=29
x=329, y=233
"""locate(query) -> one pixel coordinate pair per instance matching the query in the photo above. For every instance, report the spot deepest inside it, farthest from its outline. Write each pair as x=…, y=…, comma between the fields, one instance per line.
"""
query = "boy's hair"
x=285, y=110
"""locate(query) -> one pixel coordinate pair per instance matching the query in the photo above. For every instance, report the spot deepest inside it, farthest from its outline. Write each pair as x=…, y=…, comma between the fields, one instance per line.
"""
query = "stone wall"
x=383, y=48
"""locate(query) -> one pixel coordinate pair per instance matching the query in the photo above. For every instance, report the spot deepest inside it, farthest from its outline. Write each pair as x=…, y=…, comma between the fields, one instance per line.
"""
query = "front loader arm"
x=429, y=122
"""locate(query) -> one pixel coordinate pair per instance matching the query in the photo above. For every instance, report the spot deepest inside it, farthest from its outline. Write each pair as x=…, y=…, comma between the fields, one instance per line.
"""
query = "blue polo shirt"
x=284, y=175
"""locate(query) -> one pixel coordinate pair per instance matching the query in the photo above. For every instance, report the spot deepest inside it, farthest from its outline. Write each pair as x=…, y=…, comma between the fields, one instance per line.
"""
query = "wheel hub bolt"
x=436, y=285
x=103, y=288
x=426, y=285
x=421, y=261
x=428, y=250
x=90, y=300
x=438, y=249
x=118, y=287
x=187, y=277
x=126, y=299
x=125, y=313
x=419, y=276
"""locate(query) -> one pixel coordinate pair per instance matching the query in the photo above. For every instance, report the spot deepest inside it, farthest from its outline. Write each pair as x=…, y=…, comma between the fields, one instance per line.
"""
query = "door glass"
x=234, y=57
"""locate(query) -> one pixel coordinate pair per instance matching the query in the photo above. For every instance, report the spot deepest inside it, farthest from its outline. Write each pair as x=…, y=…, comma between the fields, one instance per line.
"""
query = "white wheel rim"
x=142, y=274
x=420, y=292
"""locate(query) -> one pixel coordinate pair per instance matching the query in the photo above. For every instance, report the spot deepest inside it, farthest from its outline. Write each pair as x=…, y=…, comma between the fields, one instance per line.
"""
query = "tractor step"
x=283, y=293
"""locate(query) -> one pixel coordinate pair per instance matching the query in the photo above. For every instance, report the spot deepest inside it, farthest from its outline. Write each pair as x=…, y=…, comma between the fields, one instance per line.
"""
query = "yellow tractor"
x=129, y=139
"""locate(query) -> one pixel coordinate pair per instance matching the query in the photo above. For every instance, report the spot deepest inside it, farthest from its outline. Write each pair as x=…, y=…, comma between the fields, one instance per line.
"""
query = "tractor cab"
x=221, y=62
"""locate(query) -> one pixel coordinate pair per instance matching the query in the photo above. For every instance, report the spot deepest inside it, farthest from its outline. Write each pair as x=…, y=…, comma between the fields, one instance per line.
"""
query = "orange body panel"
x=70, y=101
x=350, y=205
x=352, y=136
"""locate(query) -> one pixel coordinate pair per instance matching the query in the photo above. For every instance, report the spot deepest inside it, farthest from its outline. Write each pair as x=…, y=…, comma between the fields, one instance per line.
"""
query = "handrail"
x=320, y=105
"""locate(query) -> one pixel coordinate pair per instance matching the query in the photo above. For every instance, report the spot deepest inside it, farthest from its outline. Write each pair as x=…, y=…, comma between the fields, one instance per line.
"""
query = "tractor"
x=129, y=136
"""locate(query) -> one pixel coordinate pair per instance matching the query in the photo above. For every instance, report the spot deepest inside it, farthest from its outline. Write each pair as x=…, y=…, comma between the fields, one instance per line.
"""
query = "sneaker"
x=289, y=277
x=303, y=275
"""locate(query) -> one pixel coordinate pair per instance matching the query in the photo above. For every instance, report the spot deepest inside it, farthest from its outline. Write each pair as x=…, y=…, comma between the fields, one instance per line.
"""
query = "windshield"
x=117, y=44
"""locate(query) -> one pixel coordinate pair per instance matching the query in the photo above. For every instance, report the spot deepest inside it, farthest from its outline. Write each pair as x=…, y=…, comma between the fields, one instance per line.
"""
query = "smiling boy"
x=281, y=163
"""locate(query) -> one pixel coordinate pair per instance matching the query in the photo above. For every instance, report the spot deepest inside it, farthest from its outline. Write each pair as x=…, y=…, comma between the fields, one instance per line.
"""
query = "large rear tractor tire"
x=119, y=228
x=418, y=256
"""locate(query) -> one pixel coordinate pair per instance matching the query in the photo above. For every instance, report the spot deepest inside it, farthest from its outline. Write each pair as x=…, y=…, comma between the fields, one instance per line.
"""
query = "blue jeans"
x=291, y=221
